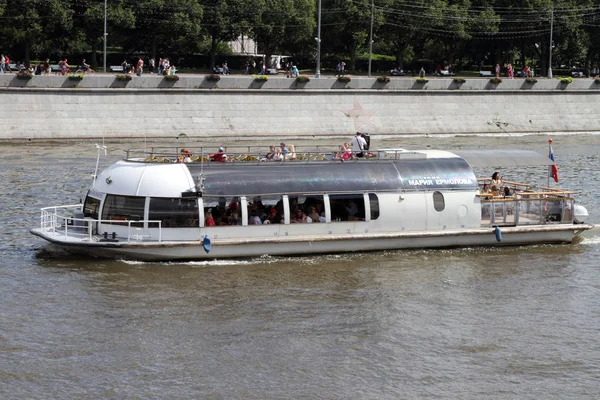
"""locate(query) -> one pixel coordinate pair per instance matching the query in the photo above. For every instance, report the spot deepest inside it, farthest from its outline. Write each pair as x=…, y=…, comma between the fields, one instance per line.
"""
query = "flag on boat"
x=554, y=168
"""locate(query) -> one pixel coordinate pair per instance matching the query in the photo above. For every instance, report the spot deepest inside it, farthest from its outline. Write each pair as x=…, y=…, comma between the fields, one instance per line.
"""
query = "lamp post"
x=550, y=51
x=105, y=36
x=318, y=71
x=371, y=36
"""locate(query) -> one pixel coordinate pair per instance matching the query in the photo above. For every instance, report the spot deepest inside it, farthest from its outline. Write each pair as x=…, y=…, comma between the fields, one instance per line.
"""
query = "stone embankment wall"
x=56, y=108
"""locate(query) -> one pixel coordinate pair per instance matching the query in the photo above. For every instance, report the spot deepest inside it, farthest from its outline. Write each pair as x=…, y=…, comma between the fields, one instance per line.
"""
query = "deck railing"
x=521, y=210
x=250, y=154
x=62, y=221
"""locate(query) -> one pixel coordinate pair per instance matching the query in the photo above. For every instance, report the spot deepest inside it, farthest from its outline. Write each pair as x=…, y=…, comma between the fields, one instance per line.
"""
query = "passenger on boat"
x=254, y=219
x=299, y=217
x=282, y=152
x=187, y=155
x=496, y=182
x=233, y=219
x=344, y=153
x=270, y=156
x=358, y=145
x=208, y=219
x=314, y=215
x=291, y=155
x=275, y=217
x=486, y=189
x=352, y=210
x=219, y=156
x=507, y=192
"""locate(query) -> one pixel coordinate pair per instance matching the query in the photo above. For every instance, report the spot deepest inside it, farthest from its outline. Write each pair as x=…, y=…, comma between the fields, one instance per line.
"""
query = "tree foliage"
x=465, y=33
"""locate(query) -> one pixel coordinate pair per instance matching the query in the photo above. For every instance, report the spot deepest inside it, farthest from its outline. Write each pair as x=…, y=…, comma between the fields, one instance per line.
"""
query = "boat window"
x=438, y=201
x=173, y=212
x=307, y=209
x=347, y=207
x=374, y=204
x=91, y=207
x=222, y=211
x=265, y=208
x=123, y=208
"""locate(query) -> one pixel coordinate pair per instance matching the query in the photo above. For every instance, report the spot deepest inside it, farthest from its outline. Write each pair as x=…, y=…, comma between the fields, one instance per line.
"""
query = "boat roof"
x=416, y=171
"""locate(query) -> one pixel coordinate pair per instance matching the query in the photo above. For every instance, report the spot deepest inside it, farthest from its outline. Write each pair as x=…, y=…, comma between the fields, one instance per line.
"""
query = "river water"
x=498, y=323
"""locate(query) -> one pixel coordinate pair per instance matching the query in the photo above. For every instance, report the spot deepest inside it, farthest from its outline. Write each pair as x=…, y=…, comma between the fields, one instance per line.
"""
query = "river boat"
x=152, y=206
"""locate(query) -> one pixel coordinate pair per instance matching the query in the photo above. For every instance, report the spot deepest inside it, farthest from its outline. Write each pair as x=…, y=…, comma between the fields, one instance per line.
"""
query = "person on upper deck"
x=291, y=155
x=358, y=145
x=344, y=153
x=219, y=156
x=496, y=183
x=270, y=156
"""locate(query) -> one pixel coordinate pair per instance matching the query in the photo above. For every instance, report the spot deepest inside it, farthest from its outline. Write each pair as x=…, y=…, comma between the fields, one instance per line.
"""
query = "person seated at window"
x=233, y=205
x=254, y=219
x=299, y=217
x=234, y=220
x=496, y=184
x=209, y=220
x=344, y=153
x=352, y=210
x=275, y=217
x=314, y=215
x=219, y=156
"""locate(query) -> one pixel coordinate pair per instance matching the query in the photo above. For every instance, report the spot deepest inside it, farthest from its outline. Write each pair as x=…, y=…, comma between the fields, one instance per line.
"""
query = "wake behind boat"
x=178, y=205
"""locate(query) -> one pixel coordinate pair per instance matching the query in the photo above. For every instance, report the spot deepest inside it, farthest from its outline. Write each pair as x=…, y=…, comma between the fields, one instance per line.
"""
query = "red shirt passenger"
x=220, y=156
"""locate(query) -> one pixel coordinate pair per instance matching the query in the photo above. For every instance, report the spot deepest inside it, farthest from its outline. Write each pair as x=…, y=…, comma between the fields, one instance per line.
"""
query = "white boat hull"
x=258, y=246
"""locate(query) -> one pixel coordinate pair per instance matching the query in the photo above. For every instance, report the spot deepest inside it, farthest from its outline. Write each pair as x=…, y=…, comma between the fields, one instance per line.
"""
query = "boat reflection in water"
x=149, y=206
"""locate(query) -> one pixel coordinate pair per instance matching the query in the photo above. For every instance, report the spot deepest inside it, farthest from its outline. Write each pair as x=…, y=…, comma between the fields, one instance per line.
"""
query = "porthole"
x=438, y=201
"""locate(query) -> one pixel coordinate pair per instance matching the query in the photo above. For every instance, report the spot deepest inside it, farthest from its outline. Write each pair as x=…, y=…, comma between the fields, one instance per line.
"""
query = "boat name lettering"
x=440, y=181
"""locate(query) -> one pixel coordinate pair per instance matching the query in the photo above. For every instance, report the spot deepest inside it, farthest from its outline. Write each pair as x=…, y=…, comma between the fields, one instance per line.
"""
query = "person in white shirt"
x=358, y=145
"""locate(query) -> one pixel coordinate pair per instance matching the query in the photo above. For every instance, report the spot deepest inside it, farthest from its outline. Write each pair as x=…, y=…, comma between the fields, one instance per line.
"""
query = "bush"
x=383, y=79
x=459, y=80
x=123, y=77
x=496, y=81
x=597, y=80
x=213, y=77
x=302, y=78
x=566, y=80
x=24, y=75
x=422, y=80
x=75, y=77
x=531, y=80
x=171, y=77
x=344, y=78
x=260, y=77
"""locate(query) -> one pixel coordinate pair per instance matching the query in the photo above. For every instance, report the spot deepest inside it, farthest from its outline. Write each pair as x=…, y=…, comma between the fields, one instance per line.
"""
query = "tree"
x=29, y=25
x=226, y=20
x=165, y=26
x=90, y=21
x=284, y=25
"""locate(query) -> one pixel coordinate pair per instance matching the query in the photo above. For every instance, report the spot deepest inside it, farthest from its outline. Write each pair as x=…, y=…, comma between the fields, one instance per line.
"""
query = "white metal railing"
x=55, y=220
x=527, y=211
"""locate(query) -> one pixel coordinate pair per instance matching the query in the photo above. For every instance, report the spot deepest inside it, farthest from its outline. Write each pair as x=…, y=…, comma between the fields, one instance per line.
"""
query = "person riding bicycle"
x=84, y=66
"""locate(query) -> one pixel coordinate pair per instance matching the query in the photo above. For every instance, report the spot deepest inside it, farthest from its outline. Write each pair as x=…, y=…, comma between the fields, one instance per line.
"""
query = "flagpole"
x=550, y=167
